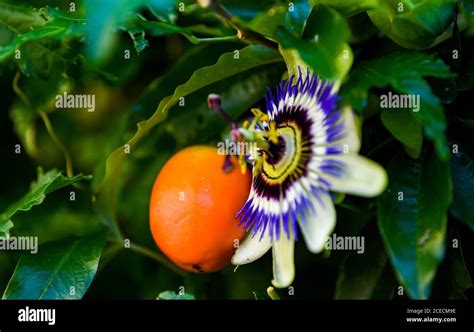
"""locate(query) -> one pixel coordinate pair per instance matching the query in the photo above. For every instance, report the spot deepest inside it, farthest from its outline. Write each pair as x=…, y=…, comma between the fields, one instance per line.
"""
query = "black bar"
x=315, y=315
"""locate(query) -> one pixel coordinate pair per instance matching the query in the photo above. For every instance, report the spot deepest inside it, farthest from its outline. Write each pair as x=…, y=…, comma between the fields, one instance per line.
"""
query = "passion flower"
x=305, y=148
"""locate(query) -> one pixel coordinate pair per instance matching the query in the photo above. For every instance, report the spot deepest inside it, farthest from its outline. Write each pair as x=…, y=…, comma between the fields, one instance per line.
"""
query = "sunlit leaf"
x=103, y=23
x=414, y=24
x=296, y=16
x=59, y=271
x=267, y=21
x=37, y=43
x=17, y=20
x=163, y=9
x=323, y=45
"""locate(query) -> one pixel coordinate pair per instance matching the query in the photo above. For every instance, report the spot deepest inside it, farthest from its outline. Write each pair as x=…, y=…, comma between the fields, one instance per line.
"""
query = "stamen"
x=227, y=166
x=214, y=102
x=273, y=134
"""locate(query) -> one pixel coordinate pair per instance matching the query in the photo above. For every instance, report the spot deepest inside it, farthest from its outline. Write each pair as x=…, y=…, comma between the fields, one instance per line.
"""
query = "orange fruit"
x=193, y=206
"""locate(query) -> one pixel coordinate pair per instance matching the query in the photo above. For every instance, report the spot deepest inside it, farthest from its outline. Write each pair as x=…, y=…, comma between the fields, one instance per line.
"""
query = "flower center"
x=284, y=157
x=276, y=151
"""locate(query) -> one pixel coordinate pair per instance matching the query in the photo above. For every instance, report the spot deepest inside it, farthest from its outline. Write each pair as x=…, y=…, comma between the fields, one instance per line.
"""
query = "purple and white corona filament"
x=306, y=147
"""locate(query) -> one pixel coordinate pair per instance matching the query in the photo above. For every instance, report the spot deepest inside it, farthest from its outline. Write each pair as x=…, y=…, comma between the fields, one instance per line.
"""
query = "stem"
x=18, y=91
x=157, y=257
x=243, y=33
x=196, y=40
x=55, y=138
x=107, y=255
x=47, y=123
x=214, y=102
x=62, y=147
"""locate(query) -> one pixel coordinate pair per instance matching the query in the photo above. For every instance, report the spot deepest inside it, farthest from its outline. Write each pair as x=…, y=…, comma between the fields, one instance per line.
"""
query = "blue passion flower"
x=305, y=148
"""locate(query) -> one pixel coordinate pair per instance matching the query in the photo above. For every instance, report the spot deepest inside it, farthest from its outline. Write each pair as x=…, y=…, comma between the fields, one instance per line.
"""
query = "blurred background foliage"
x=153, y=63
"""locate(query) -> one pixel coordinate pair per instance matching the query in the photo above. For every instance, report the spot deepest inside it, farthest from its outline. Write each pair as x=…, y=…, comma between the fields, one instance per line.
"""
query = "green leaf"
x=103, y=23
x=52, y=32
x=349, y=8
x=16, y=20
x=413, y=24
x=5, y=228
x=431, y=114
x=45, y=184
x=295, y=18
x=44, y=58
x=170, y=295
x=185, y=66
x=158, y=29
x=405, y=75
x=267, y=21
x=468, y=11
x=58, y=219
x=412, y=217
x=163, y=9
x=404, y=66
x=462, y=175
x=238, y=94
x=61, y=270
x=39, y=49
x=248, y=9
x=229, y=64
x=139, y=41
x=405, y=128
x=323, y=45
x=360, y=273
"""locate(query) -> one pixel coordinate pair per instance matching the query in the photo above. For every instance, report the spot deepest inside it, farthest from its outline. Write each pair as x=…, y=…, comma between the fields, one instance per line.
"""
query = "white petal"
x=319, y=223
x=251, y=248
x=362, y=176
x=283, y=261
x=350, y=143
